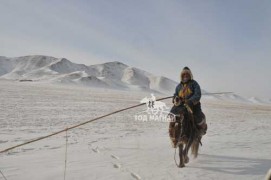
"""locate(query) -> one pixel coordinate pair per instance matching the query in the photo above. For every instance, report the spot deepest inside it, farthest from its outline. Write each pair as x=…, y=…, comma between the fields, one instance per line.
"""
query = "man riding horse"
x=188, y=93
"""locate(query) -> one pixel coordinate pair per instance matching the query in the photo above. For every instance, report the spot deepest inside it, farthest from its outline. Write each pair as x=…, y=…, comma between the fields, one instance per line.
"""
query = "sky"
x=226, y=44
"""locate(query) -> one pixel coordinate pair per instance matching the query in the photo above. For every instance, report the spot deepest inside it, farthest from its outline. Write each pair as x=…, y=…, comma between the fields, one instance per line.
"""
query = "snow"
x=111, y=75
x=228, y=97
x=135, y=77
x=5, y=65
x=237, y=145
x=65, y=66
x=256, y=100
x=163, y=84
x=114, y=75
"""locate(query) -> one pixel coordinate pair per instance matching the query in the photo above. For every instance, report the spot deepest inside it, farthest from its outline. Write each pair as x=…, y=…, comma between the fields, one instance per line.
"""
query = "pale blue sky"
x=226, y=43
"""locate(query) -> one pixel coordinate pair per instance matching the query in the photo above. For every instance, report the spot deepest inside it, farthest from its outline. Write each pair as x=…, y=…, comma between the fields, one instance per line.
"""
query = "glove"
x=177, y=101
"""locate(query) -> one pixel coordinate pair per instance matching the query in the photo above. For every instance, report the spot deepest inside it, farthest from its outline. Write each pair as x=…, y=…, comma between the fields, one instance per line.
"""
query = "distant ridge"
x=60, y=70
x=115, y=75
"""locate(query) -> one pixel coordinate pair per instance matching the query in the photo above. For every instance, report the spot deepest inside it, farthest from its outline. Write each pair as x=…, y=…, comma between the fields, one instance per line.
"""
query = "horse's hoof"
x=186, y=159
x=181, y=165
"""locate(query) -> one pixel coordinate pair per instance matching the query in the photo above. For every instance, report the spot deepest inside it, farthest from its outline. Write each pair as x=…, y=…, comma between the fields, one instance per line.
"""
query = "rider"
x=188, y=92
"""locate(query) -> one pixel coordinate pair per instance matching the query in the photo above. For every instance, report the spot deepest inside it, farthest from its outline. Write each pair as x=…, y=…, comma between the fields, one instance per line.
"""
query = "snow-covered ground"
x=237, y=145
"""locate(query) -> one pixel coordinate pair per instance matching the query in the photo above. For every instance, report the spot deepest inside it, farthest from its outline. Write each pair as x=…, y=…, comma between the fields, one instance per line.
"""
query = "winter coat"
x=189, y=91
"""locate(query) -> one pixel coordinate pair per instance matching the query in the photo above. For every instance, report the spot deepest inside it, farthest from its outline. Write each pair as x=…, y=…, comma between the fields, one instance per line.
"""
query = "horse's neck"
x=187, y=123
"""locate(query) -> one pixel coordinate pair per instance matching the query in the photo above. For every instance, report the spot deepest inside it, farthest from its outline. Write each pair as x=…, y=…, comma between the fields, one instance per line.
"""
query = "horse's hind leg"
x=181, y=153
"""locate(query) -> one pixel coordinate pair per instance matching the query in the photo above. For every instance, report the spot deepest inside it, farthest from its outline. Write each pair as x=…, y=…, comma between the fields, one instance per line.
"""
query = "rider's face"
x=186, y=77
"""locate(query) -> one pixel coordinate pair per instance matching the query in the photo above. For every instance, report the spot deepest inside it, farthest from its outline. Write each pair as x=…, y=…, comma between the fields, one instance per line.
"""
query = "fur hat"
x=186, y=70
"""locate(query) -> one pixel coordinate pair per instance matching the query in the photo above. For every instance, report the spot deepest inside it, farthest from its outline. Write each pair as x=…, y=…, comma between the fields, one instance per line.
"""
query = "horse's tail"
x=195, y=148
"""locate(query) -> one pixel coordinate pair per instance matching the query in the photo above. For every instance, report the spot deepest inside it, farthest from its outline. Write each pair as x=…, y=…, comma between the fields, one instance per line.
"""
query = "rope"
x=3, y=175
x=86, y=122
x=78, y=125
x=66, y=154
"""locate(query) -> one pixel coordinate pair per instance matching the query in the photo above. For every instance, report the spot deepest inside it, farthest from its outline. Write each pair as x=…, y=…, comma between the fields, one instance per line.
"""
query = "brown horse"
x=184, y=134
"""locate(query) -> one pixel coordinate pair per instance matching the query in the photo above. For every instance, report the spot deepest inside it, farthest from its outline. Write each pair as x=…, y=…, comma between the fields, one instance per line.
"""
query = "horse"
x=184, y=133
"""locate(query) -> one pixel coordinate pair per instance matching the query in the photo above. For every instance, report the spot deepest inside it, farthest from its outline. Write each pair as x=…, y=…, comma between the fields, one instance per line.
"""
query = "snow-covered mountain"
x=256, y=100
x=114, y=75
x=226, y=97
x=60, y=70
x=231, y=97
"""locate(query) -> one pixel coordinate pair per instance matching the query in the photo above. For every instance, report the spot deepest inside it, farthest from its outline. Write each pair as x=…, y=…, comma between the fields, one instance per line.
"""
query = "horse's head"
x=183, y=121
x=180, y=117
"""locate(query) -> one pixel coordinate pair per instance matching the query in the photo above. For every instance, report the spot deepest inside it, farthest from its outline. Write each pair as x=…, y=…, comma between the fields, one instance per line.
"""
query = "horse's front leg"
x=185, y=152
x=181, y=153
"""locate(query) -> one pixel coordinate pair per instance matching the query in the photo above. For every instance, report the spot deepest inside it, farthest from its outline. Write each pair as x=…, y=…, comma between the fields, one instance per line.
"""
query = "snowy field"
x=237, y=145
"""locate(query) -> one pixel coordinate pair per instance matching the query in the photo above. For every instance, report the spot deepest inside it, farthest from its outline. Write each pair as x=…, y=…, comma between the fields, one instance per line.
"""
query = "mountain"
x=225, y=97
x=256, y=100
x=114, y=75
x=233, y=97
x=60, y=70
